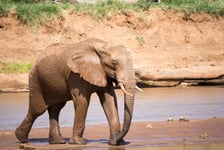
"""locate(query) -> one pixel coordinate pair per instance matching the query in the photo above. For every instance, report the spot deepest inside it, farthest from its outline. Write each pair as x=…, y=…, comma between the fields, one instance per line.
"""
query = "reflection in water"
x=154, y=104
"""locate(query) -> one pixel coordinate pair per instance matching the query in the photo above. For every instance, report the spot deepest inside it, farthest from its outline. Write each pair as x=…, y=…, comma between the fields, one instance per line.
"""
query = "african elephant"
x=73, y=72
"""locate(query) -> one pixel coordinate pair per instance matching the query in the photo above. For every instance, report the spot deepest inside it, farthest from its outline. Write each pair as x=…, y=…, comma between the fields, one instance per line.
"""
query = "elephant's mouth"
x=114, y=81
x=121, y=85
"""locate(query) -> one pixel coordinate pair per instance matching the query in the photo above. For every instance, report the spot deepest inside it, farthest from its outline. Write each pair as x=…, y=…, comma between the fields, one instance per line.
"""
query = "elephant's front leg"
x=81, y=103
x=109, y=102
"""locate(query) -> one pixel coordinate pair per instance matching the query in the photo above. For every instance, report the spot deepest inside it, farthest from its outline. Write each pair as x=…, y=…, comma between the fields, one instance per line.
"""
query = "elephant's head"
x=96, y=61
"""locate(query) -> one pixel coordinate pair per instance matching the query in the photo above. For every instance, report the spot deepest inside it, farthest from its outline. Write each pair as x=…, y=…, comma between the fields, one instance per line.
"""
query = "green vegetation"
x=14, y=67
x=140, y=40
x=214, y=7
x=34, y=14
x=4, y=9
x=101, y=8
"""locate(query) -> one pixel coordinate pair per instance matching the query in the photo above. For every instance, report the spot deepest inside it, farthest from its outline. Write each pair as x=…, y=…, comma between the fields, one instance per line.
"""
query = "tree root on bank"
x=178, y=80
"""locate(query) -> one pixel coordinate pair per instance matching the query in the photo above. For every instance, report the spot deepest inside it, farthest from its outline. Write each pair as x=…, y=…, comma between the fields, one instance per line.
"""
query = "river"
x=153, y=104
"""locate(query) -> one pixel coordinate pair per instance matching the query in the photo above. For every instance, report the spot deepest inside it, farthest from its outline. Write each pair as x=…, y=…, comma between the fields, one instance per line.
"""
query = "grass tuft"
x=100, y=9
x=141, y=40
x=4, y=9
x=214, y=7
x=35, y=14
x=14, y=67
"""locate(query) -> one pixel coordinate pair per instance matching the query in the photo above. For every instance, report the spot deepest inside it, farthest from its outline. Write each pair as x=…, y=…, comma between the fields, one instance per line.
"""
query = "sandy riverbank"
x=142, y=135
x=167, y=49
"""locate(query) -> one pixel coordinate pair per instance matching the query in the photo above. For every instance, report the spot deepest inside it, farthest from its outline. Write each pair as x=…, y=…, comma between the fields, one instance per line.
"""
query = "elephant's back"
x=53, y=53
x=51, y=69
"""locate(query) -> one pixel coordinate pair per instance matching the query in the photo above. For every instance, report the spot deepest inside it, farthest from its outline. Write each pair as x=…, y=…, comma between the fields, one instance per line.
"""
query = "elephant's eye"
x=114, y=62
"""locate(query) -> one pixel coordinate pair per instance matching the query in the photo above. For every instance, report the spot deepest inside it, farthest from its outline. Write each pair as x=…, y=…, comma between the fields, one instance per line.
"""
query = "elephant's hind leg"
x=37, y=106
x=23, y=130
x=54, y=133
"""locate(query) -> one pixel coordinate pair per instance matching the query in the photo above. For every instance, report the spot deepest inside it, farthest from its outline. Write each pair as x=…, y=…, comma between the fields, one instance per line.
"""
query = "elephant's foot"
x=21, y=135
x=116, y=143
x=121, y=142
x=77, y=140
x=56, y=139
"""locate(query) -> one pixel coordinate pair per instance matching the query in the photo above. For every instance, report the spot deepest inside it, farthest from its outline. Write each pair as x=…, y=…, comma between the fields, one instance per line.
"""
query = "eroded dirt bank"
x=168, y=47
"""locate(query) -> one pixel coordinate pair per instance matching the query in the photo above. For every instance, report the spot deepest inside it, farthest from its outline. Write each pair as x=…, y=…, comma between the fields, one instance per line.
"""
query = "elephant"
x=66, y=72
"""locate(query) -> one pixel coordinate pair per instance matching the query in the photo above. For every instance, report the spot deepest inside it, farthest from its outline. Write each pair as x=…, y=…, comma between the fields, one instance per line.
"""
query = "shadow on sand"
x=91, y=144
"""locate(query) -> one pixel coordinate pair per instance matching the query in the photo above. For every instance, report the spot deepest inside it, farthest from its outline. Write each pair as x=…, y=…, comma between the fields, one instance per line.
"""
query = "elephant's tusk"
x=138, y=88
x=124, y=90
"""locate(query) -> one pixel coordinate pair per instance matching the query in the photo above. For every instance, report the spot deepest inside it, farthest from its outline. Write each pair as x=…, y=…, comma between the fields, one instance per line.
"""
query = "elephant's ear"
x=86, y=62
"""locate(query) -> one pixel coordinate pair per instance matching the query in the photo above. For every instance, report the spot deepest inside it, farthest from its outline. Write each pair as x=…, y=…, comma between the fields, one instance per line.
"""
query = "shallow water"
x=185, y=147
x=154, y=104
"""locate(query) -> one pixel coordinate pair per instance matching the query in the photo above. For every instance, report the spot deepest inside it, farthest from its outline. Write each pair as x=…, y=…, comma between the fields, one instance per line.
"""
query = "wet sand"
x=199, y=134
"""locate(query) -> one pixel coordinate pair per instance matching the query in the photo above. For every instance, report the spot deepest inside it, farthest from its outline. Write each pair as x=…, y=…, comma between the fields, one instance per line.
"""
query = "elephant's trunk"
x=128, y=108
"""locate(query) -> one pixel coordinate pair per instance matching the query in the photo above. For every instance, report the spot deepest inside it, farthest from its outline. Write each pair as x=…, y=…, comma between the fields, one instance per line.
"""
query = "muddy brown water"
x=153, y=104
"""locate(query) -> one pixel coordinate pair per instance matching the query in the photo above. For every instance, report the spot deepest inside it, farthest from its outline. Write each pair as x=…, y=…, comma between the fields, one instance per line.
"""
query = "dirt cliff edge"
x=168, y=49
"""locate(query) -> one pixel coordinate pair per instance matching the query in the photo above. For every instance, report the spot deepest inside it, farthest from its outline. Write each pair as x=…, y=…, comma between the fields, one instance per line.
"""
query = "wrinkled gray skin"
x=74, y=72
